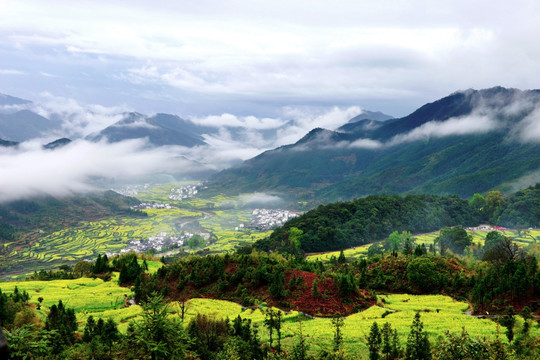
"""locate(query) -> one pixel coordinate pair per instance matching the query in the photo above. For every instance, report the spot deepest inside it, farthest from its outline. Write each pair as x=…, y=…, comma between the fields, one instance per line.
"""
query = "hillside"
x=21, y=222
x=471, y=141
x=362, y=221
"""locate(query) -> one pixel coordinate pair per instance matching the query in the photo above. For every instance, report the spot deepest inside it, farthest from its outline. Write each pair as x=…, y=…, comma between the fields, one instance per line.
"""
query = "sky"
x=263, y=73
x=264, y=58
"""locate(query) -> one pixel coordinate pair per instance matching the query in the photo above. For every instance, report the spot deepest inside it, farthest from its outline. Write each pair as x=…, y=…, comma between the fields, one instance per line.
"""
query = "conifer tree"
x=374, y=342
x=418, y=346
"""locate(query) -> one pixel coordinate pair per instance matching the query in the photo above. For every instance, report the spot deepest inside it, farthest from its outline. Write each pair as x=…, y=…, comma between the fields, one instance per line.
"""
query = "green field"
x=218, y=215
x=522, y=238
x=105, y=299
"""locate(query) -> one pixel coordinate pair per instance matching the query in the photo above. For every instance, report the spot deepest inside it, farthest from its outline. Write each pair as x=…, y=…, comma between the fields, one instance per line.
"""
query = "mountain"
x=470, y=141
x=12, y=100
x=57, y=144
x=24, y=125
x=6, y=143
x=161, y=129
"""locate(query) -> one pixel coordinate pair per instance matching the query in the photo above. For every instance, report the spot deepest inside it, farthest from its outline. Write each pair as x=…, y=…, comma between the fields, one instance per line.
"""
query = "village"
x=145, y=205
x=162, y=241
x=268, y=219
x=184, y=192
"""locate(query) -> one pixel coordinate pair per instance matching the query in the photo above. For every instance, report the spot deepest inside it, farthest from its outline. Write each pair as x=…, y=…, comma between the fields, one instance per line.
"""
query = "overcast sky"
x=258, y=58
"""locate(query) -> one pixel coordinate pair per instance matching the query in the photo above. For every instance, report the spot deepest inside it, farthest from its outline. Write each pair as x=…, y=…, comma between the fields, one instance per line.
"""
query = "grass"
x=105, y=299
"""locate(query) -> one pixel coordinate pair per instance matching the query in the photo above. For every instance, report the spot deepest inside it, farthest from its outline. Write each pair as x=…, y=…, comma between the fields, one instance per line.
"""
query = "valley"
x=160, y=226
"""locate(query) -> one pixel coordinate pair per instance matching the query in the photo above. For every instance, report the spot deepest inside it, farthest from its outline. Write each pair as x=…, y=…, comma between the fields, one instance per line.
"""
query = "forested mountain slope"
x=471, y=141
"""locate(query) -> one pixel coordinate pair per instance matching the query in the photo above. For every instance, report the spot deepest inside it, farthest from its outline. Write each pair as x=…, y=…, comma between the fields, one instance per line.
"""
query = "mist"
x=80, y=166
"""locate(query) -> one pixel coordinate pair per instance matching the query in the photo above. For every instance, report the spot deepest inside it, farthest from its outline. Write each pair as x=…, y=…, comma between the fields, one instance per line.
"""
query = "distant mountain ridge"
x=470, y=141
x=160, y=129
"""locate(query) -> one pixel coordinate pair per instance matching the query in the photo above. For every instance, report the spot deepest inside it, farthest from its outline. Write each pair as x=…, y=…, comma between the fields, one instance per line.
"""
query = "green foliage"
x=455, y=239
x=157, y=334
x=374, y=341
x=521, y=210
x=342, y=225
x=418, y=345
x=421, y=272
x=63, y=322
x=338, y=324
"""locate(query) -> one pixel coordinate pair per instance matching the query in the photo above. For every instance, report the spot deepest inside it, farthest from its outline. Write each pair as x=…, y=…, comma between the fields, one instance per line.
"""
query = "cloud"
x=471, y=124
x=31, y=171
x=265, y=55
x=366, y=144
x=229, y=120
x=306, y=119
x=260, y=199
x=78, y=120
x=252, y=200
x=11, y=72
x=528, y=129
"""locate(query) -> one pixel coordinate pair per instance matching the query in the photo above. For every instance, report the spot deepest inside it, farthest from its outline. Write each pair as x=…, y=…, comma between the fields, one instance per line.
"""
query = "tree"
x=160, y=336
x=455, y=239
x=493, y=239
x=503, y=252
x=342, y=259
x=421, y=272
x=300, y=349
x=110, y=333
x=273, y=321
x=494, y=201
x=277, y=286
x=393, y=242
x=374, y=342
x=82, y=268
x=478, y=202
x=338, y=323
x=418, y=346
x=390, y=347
x=509, y=321
x=407, y=247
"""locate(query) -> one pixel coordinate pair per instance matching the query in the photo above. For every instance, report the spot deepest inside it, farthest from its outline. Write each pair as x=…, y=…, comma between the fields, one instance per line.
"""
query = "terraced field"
x=105, y=299
x=218, y=215
x=521, y=237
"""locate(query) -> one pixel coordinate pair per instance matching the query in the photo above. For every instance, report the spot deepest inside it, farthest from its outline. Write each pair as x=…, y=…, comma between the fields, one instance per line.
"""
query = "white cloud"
x=229, y=120
x=11, y=72
x=31, y=171
x=283, y=53
x=472, y=124
x=366, y=144
x=78, y=120
x=529, y=128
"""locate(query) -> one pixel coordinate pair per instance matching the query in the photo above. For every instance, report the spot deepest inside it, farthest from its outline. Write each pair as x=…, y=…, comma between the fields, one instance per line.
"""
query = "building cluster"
x=145, y=205
x=267, y=219
x=485, y=227
x=160, y=241
x=184, y=192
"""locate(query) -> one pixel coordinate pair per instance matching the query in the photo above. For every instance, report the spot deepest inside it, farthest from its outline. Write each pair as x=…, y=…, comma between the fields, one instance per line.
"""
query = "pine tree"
x=418, y=346
x=374, y=342
x=386, y=333
x=338, y=333
x=89, y=329
x=342, y=259
x=277, y=287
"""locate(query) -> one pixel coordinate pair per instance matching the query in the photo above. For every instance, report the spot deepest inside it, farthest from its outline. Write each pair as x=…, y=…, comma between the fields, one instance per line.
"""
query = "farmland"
x=218, y=216
x=521, y=237
x=106, y=299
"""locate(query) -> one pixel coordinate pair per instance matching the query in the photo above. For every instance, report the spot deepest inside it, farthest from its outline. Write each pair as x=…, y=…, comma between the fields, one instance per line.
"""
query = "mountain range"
x=470, y=141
